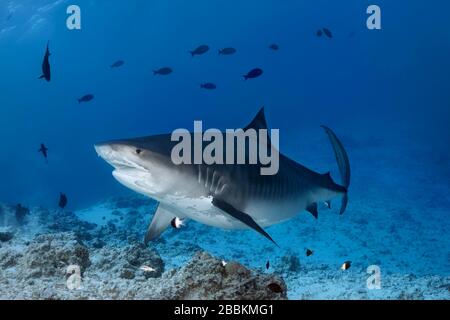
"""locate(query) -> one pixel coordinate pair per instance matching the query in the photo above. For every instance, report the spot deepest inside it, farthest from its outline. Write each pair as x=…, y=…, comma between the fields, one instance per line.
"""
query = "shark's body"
x=224, y=196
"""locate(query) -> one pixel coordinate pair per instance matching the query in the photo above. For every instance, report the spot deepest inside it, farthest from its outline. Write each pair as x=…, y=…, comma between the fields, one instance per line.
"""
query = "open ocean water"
x=385, y=93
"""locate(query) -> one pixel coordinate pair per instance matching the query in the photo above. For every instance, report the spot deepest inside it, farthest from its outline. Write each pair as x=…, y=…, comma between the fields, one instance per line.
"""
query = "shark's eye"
x=138, y=151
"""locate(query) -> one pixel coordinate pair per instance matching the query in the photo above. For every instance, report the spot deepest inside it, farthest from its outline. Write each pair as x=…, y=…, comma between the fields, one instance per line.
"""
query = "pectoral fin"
x=241, y=216
x=161, y=220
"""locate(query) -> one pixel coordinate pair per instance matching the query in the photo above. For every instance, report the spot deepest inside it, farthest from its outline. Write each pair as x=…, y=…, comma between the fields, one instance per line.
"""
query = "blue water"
x=385, y=93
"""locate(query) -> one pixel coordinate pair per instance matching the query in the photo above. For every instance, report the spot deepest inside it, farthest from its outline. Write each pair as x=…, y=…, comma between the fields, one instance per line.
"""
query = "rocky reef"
x=40, y=270
x=52, y=254
x=98, y=253
x=206, y=277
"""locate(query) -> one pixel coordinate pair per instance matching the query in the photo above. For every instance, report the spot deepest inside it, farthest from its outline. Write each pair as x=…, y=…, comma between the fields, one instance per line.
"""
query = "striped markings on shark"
x=242, y=198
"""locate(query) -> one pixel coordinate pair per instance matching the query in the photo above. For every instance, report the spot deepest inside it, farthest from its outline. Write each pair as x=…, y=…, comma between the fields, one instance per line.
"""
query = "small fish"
x=275, y=287
x=86, y=98
x=255, y=73
x=346, y=265
x=44, y=150
x=177, y=223
x=328, y=33
x=46, y=69
x=200, y=50
x=208, y=86
x=309, y=252
x=224, y=263
x=328, y=204
x=147, y=269
x=163, y=71
x=319, y=33
x=118, y=64
x=227, y=51
x=267, y=265
x=62, y=200
x=274, y=47
x=9, y=16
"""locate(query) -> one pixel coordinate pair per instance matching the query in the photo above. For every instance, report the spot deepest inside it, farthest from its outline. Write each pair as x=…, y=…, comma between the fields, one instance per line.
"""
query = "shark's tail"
x=343, y=164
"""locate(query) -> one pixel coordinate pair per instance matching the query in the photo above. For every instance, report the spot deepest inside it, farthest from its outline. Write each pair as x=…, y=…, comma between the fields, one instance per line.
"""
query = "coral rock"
x=205, y=277
x=51, y=254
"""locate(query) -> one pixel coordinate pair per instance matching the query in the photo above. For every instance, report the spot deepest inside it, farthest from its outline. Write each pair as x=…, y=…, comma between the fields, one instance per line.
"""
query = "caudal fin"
x=343, y=164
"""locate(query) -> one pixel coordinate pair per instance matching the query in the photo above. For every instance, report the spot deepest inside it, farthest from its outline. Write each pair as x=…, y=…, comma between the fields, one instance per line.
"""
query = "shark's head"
x=140, y=164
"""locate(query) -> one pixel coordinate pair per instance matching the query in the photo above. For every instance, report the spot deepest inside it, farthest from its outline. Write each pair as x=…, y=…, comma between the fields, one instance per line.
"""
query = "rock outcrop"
x=207, y=278
x=50, y=255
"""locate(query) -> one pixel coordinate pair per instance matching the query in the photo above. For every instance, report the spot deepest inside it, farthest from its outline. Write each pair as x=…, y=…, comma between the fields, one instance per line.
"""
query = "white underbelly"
x=202, y=210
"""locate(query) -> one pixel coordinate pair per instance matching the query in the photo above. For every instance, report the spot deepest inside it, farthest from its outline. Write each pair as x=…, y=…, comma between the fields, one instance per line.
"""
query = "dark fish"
x=319, y=33
x=176, y=223
x=46, y=72
x=118, y=64
x=327, y=33
x=86, y=98
x=21, y=213
x=62, y=200
x=208, y=86
x=227, y=51
x=346, y=265
x=163, y=71
x=200, y=50
x=255, y=73
x=268, y=265
x=275, y=287
x=309, y=252
x=44, y=150
x=274, y=47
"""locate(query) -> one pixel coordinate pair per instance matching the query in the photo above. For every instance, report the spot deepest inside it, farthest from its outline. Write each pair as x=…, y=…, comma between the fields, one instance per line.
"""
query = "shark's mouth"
x=138, y=180
x=116, y=159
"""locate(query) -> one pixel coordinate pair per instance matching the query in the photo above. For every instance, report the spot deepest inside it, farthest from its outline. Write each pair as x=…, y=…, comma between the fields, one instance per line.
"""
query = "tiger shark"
x=222, y=195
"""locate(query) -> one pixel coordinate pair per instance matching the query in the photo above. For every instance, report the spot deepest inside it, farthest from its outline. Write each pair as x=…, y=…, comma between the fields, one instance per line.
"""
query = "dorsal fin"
x=259, y=122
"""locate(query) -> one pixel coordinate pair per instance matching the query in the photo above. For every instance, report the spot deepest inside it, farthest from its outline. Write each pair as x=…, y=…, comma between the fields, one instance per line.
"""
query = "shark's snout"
x=111, y=153
x=103, y=150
